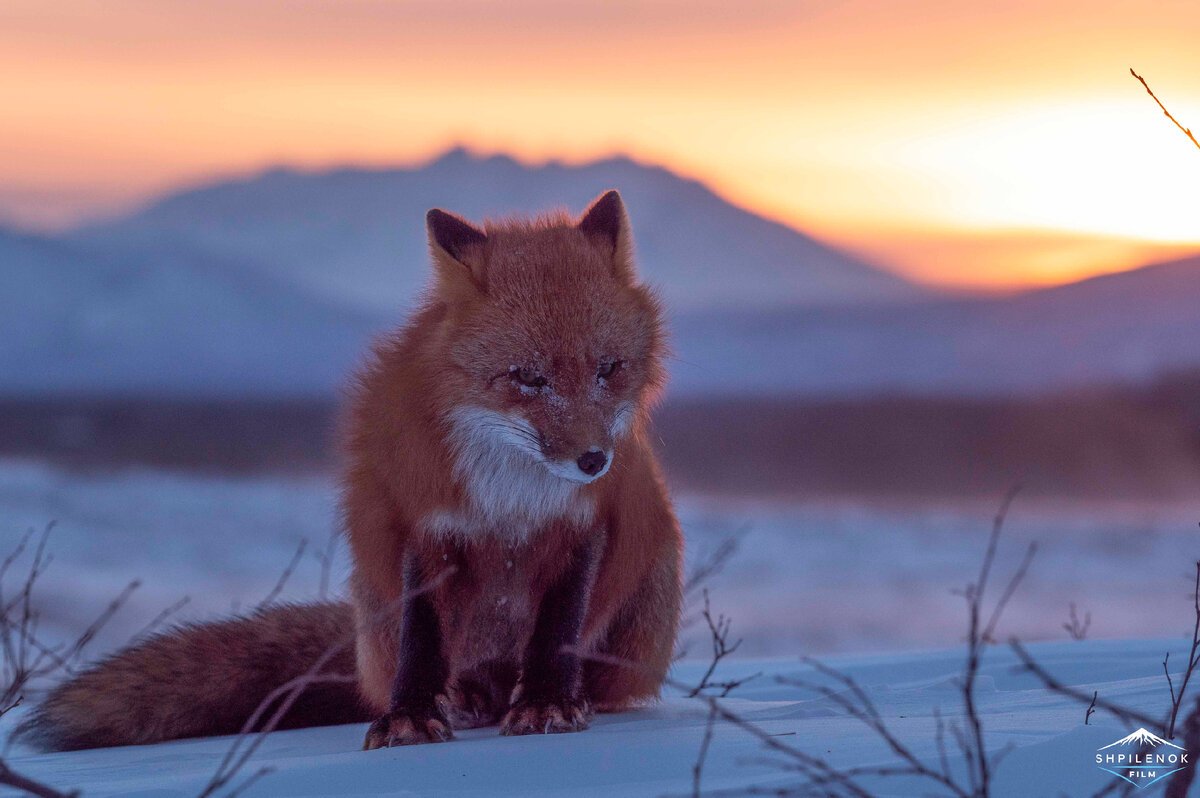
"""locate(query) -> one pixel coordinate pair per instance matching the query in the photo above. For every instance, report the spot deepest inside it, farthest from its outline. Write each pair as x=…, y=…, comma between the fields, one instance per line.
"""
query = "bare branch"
x=989, y=555
x=979, y=767
x=75, y=651
x=285, y=576
x=249, y=782
x=1167, y=673
x=24, y=657
x=719, y=630
x=1076, y=628
x=698, y=768
x=857, y=703
x=1181, y=782
x=285, y=696
x=160, y=619
x=821, y=778
x=11, y=778
x=1187, y=131
x=940, y=738
x=1193, y=659
x=707, y=568
x=280, y=700
x=1125, y=714
x=326, y=559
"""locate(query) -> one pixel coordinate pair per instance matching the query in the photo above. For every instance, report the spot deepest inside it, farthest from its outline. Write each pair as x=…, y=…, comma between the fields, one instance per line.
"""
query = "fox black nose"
x=592, y=463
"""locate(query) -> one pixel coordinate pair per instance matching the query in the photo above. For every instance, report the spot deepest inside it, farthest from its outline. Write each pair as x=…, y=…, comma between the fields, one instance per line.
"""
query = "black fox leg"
x=548, y=697
x=416, y=713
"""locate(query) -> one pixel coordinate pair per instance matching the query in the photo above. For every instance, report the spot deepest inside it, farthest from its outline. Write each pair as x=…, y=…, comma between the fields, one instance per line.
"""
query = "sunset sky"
x=980, y=144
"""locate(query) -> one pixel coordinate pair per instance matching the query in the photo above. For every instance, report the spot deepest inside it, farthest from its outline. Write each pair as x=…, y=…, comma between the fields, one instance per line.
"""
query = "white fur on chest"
x=509, y=491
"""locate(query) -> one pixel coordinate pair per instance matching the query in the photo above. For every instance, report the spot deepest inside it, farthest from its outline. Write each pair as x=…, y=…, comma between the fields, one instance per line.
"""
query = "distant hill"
x=161, y=321
x=272, y=286
x=1123, y=328
x=357, y=237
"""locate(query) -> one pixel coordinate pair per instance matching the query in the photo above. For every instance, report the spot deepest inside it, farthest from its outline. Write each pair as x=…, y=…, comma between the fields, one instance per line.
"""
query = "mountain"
x=164, y=321
x=357, y=237
x=1128, y=327
x=273, y=286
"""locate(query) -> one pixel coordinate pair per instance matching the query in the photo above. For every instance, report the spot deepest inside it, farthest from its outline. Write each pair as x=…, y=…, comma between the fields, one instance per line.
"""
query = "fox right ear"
x=607, y=225
x=605, y=221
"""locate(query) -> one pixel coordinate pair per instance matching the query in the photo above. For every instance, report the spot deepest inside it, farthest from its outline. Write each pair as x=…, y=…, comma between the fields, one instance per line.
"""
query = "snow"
x=651, y=752
x=867, y=586
x=812, y=578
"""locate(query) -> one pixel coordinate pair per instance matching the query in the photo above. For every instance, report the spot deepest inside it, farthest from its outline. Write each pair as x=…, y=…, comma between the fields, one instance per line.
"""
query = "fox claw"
x=399, y=728
x=546, y=717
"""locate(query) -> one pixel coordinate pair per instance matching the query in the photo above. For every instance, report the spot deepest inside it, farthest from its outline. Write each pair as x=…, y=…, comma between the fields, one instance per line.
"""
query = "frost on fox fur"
x=511, y=486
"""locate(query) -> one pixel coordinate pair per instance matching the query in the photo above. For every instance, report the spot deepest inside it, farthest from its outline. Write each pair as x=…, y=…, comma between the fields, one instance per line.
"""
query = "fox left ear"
x=606, y=223
x=456, y=244
x=452, y=234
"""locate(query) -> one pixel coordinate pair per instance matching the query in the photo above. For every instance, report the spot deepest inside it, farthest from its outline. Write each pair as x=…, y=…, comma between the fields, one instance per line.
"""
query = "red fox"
x=510, y=532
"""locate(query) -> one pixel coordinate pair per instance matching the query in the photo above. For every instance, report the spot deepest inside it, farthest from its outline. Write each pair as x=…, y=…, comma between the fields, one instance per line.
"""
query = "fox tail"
x=207, y=679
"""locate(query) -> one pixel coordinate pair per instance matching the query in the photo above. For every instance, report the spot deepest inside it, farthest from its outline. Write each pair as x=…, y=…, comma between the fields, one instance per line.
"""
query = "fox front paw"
x=545, y=716
x=408, y=728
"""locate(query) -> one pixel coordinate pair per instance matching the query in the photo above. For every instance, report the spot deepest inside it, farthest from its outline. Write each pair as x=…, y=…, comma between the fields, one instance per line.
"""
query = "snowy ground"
x=651, y=753
x=833, y=578
x=809, y=578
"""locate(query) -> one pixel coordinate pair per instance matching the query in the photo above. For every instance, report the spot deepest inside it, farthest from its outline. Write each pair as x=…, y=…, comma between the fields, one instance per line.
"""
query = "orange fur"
x=541, y=294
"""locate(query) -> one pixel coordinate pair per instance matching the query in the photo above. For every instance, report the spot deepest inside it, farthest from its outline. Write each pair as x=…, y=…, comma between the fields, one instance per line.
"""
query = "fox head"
x=554, y=348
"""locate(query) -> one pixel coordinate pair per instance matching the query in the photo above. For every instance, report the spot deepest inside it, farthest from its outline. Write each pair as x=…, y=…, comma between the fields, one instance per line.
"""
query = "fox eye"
x=609, y=370
x=527, y=377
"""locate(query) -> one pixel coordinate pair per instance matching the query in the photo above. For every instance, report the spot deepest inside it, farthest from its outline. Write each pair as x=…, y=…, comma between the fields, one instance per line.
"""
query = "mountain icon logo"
x=1143, y=737
x=1142, y=758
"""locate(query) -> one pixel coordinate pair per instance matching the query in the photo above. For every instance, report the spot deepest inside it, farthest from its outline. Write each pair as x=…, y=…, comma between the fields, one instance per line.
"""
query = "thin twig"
x=1193, y=659
x=857, y=704
x=1181, y=782
x=249, y=782
x=285, y=576
x=283, y=697
x=1076, y=628
x=75, y=651
x=11, y=778
x=1186, y=131
x=326, y=559
x=704, y=570
x=718, y=629
x=25, y=658
x=698, y=768
x=1124, y=714
x=160, y=619
x=1167, y=673
x=980, y=773
x=821, y=778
